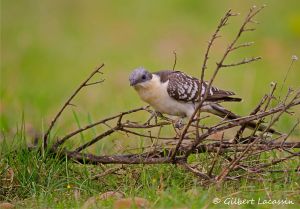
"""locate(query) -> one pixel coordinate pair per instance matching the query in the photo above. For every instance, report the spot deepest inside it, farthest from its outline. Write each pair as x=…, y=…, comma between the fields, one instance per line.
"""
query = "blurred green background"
x=48, y=47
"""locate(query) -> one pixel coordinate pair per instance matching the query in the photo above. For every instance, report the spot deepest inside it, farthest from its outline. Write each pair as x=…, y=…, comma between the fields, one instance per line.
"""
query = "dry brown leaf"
x=137, y=202
x=111, y=194
x=6, y=205
x=92, y=201
x=89, y=203
x=9, y=179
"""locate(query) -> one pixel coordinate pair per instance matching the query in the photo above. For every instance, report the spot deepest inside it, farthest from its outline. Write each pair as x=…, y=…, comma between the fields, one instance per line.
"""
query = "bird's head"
x=139, y=77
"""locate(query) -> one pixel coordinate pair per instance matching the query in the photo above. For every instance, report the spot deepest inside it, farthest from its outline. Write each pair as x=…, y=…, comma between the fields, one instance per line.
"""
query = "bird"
x=177, y=94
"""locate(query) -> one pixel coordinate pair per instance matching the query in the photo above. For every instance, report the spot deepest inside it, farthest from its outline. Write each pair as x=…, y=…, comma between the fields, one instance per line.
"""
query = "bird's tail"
x=222, y=112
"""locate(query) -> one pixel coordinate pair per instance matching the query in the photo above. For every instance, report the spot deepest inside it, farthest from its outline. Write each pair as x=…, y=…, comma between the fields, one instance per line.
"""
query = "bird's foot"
x=179, y=124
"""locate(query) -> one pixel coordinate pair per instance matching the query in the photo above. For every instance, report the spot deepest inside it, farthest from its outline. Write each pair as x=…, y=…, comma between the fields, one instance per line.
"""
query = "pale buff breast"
x=155, y=93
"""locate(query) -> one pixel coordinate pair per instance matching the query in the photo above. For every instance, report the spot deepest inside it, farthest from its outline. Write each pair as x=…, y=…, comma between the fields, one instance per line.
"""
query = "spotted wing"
x=183, y=87
x=219, y=95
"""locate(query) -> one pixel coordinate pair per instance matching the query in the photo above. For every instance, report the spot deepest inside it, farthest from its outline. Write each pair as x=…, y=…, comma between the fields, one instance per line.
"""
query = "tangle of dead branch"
x=242, y=156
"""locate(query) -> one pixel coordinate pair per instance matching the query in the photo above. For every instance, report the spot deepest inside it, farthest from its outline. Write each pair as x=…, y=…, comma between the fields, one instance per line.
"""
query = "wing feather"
x=185, y=88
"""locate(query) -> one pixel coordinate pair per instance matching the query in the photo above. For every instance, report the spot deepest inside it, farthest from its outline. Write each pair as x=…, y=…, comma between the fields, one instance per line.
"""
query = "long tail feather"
x=222, y=112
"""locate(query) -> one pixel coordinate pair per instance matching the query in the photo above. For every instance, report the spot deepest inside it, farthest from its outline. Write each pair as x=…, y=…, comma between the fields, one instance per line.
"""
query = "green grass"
x=48, y=47
x=44, y=181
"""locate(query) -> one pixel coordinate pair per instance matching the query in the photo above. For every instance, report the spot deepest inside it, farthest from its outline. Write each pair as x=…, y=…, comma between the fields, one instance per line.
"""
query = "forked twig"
x=68, y=102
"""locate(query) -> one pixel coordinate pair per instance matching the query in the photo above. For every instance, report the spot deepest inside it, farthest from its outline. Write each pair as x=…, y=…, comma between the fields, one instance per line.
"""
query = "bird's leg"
x=179, y=122
x=155, y=115
x=159, y=114
x=177, y=131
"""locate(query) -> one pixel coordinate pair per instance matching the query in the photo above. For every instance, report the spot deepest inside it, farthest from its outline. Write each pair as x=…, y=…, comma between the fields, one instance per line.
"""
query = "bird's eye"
x=143, y=77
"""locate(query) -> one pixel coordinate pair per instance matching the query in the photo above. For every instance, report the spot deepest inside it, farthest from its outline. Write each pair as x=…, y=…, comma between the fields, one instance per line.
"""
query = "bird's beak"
x=132, y=82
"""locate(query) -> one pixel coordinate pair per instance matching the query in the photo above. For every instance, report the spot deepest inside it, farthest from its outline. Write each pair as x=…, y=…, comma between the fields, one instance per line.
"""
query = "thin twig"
x=194, y=171
x=68, y=136
x=239, y=133
x=242, y=45
x=107, y=172
x=175, y=60
x=286, y=75
x=216, y=157
x=244, y=61
x=96, y=139
x=46, y=136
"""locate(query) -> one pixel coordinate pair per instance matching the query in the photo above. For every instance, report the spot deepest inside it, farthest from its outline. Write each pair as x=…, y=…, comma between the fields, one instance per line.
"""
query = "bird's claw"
x=179, y=124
